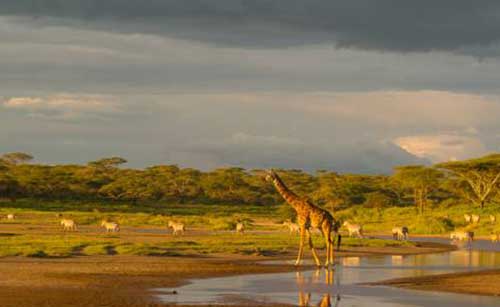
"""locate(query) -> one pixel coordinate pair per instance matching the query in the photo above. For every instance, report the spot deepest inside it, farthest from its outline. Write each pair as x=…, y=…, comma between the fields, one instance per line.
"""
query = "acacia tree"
x=108, y=163
x=9, y=187
x=328, y=192
x=422, y=180
x=14, y=158
x=479, y=177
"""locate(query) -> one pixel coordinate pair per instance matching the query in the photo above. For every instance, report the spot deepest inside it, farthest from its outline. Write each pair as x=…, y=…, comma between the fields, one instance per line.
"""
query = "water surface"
x=340, y=287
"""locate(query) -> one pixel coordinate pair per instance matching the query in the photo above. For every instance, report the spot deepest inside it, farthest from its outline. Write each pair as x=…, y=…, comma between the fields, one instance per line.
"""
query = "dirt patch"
x=480, y=283
x=107, y=280
x=126, y=281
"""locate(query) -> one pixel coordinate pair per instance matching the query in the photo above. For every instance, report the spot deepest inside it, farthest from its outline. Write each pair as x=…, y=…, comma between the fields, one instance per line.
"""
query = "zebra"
x=400, y=233
x=354, y=229
x=68, y=224
x=177, y=228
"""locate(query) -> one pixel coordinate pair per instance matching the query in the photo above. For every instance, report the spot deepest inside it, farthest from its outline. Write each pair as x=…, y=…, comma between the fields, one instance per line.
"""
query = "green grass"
x=436, y=220
x=66, y=245
x=215, y=217
x=147, y=208
x=214, y=220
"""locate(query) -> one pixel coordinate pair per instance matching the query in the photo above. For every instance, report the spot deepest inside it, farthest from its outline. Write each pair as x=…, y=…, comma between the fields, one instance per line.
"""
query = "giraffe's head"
x=271, y=176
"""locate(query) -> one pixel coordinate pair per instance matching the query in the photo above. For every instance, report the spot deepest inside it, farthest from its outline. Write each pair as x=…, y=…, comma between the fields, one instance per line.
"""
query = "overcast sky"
x=351, y=86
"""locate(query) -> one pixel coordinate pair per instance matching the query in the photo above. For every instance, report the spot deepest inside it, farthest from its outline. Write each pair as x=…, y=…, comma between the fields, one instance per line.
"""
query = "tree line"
x=475, y=181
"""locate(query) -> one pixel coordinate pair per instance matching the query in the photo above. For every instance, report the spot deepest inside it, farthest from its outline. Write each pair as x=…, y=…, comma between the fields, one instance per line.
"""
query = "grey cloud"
x=451, y=25
x=310, y=155
x=210, y=130
x=457, y=142
x=52, y=60
x=231, y=130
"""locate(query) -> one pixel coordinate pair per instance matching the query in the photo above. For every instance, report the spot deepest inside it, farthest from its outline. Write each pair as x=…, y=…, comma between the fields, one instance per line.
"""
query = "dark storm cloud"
x=450, y=25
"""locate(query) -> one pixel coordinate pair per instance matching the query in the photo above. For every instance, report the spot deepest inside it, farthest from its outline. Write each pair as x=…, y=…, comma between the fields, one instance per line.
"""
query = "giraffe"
x=308, y=216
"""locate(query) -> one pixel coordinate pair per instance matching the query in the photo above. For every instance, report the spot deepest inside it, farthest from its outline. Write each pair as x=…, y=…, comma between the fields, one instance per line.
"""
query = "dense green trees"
x=475, y=180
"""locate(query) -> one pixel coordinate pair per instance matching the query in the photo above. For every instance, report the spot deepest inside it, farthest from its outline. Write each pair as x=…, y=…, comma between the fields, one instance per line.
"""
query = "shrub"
x=431, y=224
x=286, y=212
x=448, y=203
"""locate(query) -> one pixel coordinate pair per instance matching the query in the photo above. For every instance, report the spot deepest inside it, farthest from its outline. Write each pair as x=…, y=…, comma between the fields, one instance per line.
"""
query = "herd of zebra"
x=354, y=230
x=68, y=224
x=401, y=233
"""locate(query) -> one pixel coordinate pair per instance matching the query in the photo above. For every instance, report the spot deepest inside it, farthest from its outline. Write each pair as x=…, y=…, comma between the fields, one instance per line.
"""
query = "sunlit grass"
x=215, y=222
x=436, y=220
x=65, y=245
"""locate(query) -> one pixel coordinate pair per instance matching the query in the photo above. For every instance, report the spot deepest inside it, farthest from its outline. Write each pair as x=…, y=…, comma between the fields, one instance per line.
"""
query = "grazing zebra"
x=493, y=219
x=467, y=218
x=495, y=237
x=292, y=227
x=240, y=227
x=11, y=216
x=110, y=226
x=400, y=233
x=354, y=229
x=68, y=224
x=475, y=218
x=177, y=228
x=462, y=236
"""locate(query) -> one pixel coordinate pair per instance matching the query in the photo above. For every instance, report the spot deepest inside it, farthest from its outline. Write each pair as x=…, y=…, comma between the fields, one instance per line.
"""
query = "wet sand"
x=126, y=281
x=480, y=283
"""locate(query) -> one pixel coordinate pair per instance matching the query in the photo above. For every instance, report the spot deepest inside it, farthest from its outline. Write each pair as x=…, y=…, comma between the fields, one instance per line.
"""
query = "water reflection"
x=350, y=261
x=330, y=287
x=459, y=259
x=326, y=298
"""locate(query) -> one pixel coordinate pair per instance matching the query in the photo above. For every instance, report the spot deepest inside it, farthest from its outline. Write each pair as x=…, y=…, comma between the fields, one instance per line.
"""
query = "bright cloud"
x=409, y=107
x=271, y=140
x=63, y=106
x=442, y=147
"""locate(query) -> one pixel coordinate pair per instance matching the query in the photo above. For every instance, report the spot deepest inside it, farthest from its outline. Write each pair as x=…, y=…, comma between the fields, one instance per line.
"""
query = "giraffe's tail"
x=338, y=237
x=336, y=232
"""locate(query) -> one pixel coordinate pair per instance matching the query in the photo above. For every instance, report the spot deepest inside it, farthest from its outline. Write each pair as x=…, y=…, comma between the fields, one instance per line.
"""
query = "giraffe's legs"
x=301, y=247
x=313, y=251
x=329, y=275
x=332, y=247
x=304, y=299
x=326, y=229
x=325, y=301
x=328, y=247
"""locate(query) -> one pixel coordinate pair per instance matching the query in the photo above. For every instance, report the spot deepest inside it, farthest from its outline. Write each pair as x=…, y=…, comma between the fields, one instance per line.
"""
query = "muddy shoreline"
x=126, y=281
x=485, y=282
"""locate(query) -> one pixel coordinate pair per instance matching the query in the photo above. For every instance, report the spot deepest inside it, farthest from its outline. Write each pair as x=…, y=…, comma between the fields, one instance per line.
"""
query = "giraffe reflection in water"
x=305, y=297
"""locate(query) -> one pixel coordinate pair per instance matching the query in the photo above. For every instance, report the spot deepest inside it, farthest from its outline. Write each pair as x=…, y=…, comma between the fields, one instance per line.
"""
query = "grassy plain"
x=90, y=267
x=438, y=220
x=37, y=233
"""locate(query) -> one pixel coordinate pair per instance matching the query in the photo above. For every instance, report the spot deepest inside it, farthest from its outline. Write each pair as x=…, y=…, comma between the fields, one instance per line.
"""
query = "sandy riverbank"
x=126, y=281
x=480, y=283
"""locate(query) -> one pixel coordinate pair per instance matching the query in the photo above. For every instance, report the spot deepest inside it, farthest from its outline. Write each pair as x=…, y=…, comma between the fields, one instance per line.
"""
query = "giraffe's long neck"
x=290, y=197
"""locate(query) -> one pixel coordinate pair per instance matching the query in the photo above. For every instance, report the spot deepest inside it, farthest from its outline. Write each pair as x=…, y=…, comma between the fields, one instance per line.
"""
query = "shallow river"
x=340, y=287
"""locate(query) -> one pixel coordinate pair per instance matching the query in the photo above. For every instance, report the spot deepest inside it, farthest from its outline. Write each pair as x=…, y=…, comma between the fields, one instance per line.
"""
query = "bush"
x=286, y=212
x=378, y=200
x=431, y=224
x=448, y=203
x=220, y=223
